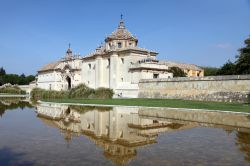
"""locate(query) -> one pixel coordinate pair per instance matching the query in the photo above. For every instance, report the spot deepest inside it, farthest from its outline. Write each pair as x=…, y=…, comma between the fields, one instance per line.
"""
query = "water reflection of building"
x=119, y=130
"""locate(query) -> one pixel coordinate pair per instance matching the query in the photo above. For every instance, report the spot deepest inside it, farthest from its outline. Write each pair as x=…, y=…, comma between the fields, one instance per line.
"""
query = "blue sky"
x=202, y=32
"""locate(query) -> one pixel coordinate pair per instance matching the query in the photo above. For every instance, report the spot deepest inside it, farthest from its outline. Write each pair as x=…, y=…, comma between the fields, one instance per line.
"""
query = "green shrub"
x=38, y=93
x=103, y=93
x=81, y=91
x=12, y=90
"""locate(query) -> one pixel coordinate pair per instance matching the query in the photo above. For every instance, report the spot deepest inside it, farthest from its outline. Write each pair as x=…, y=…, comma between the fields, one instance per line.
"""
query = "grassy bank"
x=11, y=89
x=161, y=103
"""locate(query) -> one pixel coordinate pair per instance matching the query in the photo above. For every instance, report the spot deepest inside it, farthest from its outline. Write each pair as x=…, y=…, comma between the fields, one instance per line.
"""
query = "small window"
x=155, y=121
x=108, y=62
x=122, y=79
x=122, y=59
x=155, y=75
x=119, y=45
x=89, y=66
x=130, y=44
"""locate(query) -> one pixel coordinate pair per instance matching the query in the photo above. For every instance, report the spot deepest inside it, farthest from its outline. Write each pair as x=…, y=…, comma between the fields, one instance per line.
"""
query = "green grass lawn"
x=161, y=103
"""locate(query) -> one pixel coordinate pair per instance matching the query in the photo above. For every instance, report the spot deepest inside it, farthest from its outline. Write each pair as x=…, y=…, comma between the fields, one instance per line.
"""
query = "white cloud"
x=223, y=45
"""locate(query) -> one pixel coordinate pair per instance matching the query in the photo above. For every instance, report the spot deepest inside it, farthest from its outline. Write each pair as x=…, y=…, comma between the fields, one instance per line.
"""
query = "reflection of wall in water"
x=243, y=141
x=239, y=120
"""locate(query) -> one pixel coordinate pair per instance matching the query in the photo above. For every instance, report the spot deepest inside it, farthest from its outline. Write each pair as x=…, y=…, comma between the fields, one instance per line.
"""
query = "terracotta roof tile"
x=121, y=33
x=181, y=65
x=50, y=66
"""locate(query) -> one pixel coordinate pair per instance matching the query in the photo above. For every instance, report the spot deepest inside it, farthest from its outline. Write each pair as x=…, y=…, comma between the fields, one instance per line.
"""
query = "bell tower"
x=69, y=53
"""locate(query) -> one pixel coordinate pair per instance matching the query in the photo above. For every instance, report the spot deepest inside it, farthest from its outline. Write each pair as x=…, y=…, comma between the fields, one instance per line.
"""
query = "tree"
x=227, y=69
x=210, y=71
x=22, y=80
x=243, y=60
x=16, y=79
x=30, y=78
x=2, y=71
x=177, y=72
x=1, y=80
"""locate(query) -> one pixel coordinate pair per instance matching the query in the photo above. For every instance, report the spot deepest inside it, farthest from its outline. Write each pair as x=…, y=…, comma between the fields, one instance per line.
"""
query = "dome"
x=121, y=33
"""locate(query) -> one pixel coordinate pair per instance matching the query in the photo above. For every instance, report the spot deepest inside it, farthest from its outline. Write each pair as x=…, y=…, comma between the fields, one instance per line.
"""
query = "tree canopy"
x=242, y=63
x=240, y=66
x=227, y=69
x=177, y=72
x=2, y=71
x=14, y=78
x=210, y=71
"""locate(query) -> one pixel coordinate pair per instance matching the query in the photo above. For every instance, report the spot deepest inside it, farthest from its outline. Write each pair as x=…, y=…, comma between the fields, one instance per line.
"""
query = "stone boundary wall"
x=234, y=88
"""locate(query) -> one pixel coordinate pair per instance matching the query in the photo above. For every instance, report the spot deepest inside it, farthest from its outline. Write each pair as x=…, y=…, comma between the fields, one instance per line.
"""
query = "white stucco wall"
x=56, y=79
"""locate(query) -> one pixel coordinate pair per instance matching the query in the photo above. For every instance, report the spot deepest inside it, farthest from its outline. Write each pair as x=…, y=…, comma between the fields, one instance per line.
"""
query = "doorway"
x=68, y=79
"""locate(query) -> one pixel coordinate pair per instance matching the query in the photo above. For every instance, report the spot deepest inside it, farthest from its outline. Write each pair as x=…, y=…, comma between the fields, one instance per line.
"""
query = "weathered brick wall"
x=234, y=88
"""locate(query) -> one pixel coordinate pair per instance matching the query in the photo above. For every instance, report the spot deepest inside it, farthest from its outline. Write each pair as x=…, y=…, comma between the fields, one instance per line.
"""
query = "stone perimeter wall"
x=234, y=88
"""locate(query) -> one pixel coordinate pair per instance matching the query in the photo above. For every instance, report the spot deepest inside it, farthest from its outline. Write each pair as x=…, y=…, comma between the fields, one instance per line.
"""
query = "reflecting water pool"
x=55, y=134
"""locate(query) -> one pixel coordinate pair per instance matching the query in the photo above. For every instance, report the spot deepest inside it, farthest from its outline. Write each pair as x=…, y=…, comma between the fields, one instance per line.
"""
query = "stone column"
x=113, y=71
x=99, y=72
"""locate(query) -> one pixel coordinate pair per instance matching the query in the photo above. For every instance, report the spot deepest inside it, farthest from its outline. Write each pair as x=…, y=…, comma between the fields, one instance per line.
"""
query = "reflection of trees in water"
x=243, y=141
x=12, y=103
x=1, y=112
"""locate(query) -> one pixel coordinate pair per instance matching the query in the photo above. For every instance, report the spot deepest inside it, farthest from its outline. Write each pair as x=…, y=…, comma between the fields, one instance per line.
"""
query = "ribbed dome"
x=121, y=33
